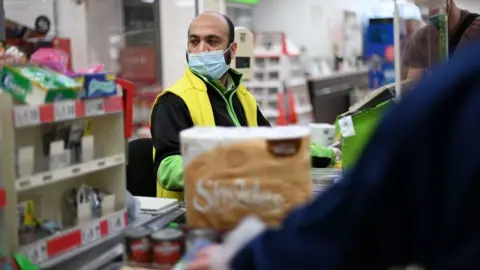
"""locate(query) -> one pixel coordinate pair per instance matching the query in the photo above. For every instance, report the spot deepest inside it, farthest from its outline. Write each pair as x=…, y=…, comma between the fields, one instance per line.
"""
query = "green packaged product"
x=34, y=85
x=361, y=120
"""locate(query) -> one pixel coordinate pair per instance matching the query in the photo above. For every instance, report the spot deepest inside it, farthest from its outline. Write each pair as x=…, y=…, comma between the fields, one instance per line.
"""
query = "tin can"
x=138, y=245
x=167, y=246
x=207, y=234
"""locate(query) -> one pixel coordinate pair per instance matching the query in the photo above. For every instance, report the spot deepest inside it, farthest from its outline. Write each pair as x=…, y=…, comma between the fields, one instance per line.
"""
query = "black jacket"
x=170, y=116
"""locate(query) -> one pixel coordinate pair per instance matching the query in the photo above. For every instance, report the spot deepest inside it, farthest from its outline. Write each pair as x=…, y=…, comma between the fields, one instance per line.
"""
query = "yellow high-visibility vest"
x=193, y=91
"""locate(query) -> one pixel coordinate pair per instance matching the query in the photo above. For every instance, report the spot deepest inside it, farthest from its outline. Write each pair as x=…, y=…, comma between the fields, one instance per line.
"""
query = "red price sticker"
x=65, y=110
x=94, y=107
x=26, y=116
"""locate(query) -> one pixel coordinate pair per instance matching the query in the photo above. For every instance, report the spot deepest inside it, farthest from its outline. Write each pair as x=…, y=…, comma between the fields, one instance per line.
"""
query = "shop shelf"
x=86, y=235
x=304, y=109
x=40, y=168
x=280, y=73
x=28, y=115
x=50, y=177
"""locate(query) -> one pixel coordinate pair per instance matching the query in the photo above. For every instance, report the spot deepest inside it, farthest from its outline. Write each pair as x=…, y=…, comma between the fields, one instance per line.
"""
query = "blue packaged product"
x=98, y=85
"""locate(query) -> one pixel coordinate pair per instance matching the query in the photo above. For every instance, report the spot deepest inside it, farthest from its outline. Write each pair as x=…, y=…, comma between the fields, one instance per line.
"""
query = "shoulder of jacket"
x=425, y=31
x=169, y=99
x=243, y=89
x=473, y=31
x=476, y=23
x=181, y=86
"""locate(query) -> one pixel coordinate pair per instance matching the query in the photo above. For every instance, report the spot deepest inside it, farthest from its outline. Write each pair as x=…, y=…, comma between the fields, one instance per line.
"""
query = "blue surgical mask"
x=209, y=64
x=435, y=20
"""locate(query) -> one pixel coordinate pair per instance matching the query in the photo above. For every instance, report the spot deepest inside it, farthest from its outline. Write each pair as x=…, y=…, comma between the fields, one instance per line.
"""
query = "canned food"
x=167, y=246
x=207, y=234
x=138, y=245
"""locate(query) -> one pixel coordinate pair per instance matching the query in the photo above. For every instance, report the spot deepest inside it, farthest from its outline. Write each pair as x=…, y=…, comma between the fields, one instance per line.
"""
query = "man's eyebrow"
x=213, y=36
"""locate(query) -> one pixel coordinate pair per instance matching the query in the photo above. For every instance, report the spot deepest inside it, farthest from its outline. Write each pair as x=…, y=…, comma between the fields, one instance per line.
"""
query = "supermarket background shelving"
x=22, y=128
x=278, y=73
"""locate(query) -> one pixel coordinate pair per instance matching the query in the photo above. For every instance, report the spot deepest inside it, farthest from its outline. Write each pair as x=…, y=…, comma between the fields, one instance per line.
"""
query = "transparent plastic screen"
x=135, y=54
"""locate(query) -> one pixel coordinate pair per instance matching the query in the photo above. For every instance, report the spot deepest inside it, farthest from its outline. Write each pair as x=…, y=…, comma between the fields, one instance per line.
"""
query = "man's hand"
x=203, y=259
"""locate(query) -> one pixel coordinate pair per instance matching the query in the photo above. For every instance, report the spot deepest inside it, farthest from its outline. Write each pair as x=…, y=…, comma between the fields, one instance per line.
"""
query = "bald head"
x=210, y=31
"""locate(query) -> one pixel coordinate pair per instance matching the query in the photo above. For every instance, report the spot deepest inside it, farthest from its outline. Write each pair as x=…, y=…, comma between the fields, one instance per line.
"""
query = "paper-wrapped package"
x=231, y=173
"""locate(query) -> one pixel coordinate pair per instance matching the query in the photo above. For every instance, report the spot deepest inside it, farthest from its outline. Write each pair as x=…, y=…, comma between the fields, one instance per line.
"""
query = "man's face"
x=208, y=32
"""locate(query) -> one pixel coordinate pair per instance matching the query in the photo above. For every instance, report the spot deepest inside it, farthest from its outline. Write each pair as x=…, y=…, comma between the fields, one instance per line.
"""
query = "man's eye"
x=193, y=42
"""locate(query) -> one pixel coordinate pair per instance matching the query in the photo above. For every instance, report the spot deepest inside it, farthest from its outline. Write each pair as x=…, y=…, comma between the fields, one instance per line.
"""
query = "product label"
x=347, y=129
x=32, y=74
x=9, y=83
x=219, y=196
x=140, y=251
x=167, y=252
x=101, y=86
x=65, y=81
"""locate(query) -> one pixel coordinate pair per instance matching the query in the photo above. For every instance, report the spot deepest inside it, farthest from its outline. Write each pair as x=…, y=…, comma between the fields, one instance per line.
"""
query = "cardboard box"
x=34, y=85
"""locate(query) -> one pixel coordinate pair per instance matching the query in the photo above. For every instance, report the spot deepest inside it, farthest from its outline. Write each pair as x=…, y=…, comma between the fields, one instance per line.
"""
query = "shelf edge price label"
x=94, y=107
x=37, y=253
x=91, y=233
x=64, y=110
x=116, y=224
x=26, y=116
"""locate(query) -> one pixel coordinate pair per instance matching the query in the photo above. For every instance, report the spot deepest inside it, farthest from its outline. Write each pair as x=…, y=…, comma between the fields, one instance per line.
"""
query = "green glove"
x=322, y=156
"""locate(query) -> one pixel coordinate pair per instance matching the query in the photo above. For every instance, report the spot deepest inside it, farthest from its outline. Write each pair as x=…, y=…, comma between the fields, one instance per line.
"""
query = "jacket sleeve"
x=169, y=117
x=261, y=120
x=360, y=223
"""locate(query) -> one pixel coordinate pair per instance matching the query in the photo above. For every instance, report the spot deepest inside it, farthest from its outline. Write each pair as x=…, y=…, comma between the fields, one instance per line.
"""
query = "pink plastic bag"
x=52, y=58
x=93, y=69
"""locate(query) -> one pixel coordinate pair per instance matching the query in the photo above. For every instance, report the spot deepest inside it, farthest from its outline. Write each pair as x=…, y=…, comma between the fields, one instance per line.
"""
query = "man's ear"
x=233, y=50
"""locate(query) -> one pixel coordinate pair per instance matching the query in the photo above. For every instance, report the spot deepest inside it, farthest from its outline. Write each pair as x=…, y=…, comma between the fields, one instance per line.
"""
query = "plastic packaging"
x=52, y=58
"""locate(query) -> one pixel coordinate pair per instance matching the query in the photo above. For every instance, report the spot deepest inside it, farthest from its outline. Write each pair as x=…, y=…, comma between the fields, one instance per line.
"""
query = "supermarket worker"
x=413, y=197
x=210, y=93
x=422, y=49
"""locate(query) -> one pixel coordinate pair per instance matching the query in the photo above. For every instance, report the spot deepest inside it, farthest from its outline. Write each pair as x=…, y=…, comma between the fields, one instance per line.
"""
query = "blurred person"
x=210, y=93
x=412, y=198
x=422, y=49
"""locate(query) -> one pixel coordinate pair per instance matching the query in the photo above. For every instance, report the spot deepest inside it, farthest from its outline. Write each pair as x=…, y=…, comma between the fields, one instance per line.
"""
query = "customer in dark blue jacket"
x=413, y=197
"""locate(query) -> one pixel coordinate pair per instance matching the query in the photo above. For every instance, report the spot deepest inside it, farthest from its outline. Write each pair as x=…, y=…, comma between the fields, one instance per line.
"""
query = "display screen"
x=242, y=62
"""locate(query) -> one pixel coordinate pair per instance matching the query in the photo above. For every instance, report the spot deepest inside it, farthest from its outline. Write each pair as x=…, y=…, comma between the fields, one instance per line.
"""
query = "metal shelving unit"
x=22, y=127
x=278, y=71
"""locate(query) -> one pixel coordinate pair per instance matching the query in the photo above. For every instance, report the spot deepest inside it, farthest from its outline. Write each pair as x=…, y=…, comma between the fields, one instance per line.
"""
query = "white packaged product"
x=231, y=173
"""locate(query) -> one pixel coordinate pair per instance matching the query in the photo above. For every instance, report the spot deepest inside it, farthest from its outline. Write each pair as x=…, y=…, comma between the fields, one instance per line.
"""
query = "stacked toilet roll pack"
x=231, y=173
